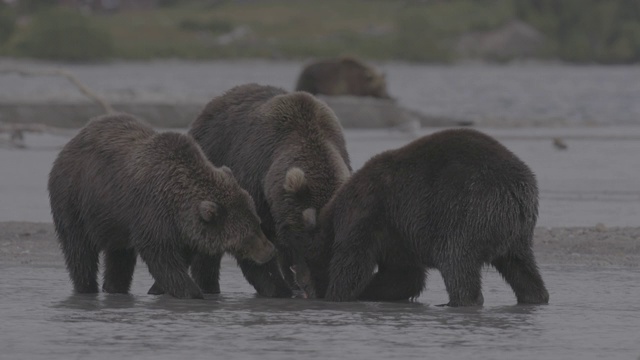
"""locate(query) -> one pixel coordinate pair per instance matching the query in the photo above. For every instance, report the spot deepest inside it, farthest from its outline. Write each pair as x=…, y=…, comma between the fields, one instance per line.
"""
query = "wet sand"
x=35, y=244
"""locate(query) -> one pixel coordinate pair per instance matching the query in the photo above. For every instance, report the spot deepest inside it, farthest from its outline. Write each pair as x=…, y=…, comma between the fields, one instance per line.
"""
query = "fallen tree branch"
x=34, y=128
x=60, y=72
x=17, y=130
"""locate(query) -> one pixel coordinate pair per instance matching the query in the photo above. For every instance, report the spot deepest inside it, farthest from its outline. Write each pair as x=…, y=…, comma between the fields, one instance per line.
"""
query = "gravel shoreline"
x=29, y=243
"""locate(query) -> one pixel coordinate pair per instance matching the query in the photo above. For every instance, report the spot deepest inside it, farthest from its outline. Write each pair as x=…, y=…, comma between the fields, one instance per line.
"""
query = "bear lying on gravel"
x=121, y=188
x=454, y=201
x=342, y=76
x=288, y=151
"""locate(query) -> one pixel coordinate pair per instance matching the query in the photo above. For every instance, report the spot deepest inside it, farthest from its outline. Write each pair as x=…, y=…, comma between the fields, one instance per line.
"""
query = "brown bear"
x=123, y=189
x=288, y=151
x=454, y=201
x=342, y=76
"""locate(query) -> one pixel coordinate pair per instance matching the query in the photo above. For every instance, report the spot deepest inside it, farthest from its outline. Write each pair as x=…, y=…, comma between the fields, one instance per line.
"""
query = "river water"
x=594, y=313
x=596, y=180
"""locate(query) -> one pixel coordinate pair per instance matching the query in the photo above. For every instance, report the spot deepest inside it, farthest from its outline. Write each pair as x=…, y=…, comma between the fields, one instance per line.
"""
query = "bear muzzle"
x=260, y=249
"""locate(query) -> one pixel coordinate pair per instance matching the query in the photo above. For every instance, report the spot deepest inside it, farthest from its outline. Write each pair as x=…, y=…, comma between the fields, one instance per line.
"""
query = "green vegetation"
x=426, y=31
x=604, y=31
x=64, y=34
x=7, y=23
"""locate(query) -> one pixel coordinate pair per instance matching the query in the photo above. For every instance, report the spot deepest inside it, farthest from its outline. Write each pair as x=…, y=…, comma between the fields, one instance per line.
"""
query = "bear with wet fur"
x=455, y=201
x=120, y=188
x=288, y=151
x=342, y=76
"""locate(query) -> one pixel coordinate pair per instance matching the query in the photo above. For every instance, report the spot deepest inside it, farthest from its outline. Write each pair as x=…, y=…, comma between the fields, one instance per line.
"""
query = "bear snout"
x=260, y=249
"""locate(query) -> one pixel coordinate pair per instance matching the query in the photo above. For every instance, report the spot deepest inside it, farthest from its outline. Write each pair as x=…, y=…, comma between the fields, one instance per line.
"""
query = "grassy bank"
x=424, y=31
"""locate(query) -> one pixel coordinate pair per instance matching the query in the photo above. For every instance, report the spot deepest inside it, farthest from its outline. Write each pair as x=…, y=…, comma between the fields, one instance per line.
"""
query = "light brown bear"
x=288, y=151
x=120, y=188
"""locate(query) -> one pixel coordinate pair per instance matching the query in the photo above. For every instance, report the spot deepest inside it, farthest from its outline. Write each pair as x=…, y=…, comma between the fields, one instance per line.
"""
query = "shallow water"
x=595, y=181
x=594, y=313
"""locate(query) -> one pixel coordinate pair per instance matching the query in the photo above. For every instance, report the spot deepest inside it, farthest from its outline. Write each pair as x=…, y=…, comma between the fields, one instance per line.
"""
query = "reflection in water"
x=45, y=321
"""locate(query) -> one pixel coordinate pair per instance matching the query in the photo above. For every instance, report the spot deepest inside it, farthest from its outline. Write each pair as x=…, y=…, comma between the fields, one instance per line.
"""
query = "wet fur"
x=454, y=201
x=120, y=188
x=288, y=151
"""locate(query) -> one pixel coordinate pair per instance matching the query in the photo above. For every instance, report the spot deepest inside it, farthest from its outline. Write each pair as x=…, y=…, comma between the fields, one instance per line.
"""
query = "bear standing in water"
x=454, y=201
x=120, y=187
x=288, y=151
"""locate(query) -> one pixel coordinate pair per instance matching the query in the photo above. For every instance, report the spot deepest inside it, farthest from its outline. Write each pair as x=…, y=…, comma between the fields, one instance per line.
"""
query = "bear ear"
x=208, y=210
x=309, y=218
x=226, y=170
x=294, y=181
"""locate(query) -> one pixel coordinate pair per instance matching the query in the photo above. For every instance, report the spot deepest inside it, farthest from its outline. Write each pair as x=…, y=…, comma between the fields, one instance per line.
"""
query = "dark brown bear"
x=121, y=188
x=342, y=76
x=288, y=151
x=454, y=201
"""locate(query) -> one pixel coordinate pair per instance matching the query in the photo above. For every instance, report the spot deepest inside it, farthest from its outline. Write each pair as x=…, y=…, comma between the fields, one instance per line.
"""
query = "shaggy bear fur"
x=342, y=76
x=288, y=151
x=453, y=201
x=120, y=188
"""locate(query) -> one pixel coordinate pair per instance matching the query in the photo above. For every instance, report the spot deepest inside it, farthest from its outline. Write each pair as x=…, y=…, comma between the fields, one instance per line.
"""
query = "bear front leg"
x=351, y=267
x=521, y=273
x=155, y=289
x=205, y=270
x=118, y=270
x=170, y=273
x=395, y=283
x=266, y=278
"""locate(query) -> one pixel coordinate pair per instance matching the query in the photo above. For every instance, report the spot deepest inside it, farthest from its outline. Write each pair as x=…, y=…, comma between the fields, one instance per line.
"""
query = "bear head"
x=226, y=219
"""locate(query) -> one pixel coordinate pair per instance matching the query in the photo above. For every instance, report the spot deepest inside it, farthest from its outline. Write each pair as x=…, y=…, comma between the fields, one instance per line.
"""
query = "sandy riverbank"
x=169, y=93
x=35, y=244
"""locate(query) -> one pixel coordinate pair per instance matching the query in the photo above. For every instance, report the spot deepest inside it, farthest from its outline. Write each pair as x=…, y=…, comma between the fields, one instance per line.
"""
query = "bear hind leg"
x=395, y=283
x=118, y=272
x=463, y=280
x=521, y=273
x=82, y=263
x=205, y=270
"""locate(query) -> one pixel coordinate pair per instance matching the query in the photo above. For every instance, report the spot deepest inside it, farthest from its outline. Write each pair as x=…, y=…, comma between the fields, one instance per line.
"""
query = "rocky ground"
x=35, y=244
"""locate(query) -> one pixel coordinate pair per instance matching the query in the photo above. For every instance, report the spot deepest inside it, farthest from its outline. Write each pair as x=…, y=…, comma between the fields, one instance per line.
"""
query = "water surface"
x=594, y=313
x=596, y=180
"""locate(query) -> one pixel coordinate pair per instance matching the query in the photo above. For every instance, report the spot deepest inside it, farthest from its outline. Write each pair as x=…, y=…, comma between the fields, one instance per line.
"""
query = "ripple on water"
x=593, y=313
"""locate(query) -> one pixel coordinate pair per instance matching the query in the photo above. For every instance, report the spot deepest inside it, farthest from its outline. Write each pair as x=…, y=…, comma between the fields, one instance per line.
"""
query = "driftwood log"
x=371, y=113
x=17, y=130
